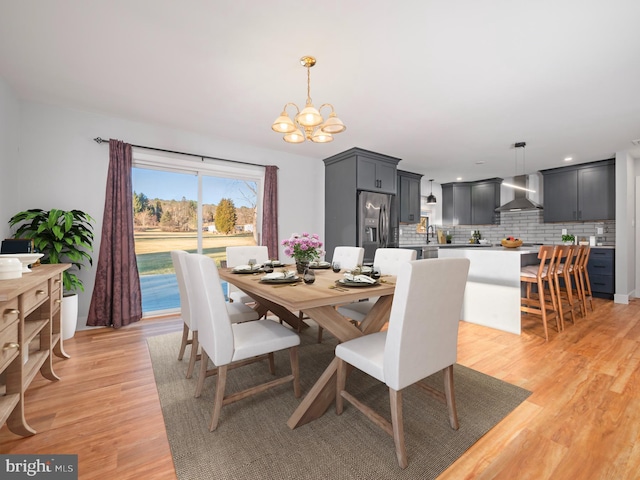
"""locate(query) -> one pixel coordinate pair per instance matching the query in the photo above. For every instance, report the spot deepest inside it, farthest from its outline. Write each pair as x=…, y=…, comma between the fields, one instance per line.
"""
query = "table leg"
x=323, y=392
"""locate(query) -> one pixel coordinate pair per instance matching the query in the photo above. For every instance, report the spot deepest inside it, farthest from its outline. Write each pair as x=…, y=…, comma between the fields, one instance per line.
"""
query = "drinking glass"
x=309, y=275
x=375, y=273
x=336, y=267
x=252, y=262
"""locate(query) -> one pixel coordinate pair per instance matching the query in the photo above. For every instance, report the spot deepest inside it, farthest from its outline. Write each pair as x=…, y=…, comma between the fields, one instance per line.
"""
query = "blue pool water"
x=160, y=292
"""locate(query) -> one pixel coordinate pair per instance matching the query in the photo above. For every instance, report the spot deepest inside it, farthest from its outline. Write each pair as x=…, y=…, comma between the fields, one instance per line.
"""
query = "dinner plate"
x=280, y=280
x=320, y=267
x=346, y=283
x=255, y=270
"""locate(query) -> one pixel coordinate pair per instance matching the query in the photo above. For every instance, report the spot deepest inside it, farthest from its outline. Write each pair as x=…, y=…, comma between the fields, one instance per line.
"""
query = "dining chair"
x=388, y=261
x=538, y=302
x=238, y=312
x=240, y=255
x=348, y=258
x=229, y=345
x=422, y=339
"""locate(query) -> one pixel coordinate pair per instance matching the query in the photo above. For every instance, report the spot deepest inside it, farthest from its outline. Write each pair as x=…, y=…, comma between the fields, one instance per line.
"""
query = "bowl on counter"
x=510, y=243
x=483, y=242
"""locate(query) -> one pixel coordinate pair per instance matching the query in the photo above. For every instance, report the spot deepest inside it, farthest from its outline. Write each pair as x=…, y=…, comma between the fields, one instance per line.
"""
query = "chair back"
x=423, y=326
x=561, y=253
x=178, y=258
x=545, y=255
x=208, y=306
x=240, y=255
x=349, y=257
x=389, y=260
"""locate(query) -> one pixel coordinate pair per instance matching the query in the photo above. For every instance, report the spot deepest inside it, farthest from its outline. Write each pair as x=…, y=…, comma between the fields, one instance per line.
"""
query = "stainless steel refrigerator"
x=377, y=222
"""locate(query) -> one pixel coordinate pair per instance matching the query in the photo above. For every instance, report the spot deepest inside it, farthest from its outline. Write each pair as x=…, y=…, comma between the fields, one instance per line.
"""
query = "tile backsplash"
x=529, y=226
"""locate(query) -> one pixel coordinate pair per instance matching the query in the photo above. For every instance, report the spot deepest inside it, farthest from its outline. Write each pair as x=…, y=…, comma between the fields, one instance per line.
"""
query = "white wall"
x=625, y=228
x=9, y=160
x=67, y=169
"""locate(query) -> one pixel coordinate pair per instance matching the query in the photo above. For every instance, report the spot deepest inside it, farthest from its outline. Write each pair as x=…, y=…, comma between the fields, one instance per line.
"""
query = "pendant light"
x=431, y=199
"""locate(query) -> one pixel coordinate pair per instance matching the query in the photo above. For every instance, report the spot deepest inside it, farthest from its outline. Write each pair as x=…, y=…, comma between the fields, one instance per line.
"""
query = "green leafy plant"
x=568, y=238
x=62, y=236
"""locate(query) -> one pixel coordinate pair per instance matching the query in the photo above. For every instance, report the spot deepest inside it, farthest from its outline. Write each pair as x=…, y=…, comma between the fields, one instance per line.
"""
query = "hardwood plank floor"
x=582, y=420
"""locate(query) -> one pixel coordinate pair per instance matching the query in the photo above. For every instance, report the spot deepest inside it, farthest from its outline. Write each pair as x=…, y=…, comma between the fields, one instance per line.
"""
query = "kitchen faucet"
x=433, y=232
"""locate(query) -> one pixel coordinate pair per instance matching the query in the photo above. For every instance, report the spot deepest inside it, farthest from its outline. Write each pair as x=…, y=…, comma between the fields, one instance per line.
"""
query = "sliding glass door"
x=190, y=209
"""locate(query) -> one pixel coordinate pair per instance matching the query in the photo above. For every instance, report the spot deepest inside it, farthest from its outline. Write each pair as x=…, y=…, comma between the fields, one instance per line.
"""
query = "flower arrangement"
x=303, y=247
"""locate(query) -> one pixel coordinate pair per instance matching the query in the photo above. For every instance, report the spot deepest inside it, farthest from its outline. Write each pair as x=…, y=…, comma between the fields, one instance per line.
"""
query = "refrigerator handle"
x=382, y=228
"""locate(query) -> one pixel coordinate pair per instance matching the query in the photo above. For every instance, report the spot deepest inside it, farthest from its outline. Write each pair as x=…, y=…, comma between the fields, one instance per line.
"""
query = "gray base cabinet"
x=409, y=196
x=601, y=268
x=580, y=193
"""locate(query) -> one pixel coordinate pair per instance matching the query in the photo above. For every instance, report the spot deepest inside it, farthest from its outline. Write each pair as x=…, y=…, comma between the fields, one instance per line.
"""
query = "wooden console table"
x=29, y=336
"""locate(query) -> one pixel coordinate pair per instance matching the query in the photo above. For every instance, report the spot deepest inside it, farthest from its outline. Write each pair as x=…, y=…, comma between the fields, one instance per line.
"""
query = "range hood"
x=520, y=202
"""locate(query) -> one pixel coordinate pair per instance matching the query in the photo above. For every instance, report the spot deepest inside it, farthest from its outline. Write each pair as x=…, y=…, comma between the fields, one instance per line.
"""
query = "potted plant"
x=63, y=237
x=568, y=239
x=303, y=248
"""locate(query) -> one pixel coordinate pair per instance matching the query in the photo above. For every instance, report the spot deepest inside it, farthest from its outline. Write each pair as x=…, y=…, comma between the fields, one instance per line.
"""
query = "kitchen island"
x=492, y=294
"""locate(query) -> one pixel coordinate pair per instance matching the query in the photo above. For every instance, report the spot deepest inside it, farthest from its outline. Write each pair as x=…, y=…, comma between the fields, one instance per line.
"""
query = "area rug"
x=253, y=441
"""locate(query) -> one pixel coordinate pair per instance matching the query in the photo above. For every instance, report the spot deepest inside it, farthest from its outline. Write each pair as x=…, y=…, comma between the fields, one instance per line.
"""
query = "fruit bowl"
x=511, y=243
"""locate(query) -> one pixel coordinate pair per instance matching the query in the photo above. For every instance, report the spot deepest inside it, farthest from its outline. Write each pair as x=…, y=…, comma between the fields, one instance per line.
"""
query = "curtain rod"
x=100, y=141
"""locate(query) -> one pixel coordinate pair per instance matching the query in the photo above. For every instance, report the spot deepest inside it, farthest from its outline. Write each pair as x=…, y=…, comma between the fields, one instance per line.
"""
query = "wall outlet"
x=400, y=231
x=600, y=230
x=564, y=231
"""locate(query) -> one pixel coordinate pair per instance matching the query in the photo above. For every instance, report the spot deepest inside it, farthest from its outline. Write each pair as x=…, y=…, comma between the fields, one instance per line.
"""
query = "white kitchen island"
x=492, y=294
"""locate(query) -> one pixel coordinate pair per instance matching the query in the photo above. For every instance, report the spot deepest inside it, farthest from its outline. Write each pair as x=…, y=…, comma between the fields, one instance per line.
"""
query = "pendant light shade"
x=431, y=199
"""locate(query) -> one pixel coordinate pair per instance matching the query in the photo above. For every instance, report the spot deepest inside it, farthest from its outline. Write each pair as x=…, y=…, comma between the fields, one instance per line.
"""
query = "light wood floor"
x=582, y=420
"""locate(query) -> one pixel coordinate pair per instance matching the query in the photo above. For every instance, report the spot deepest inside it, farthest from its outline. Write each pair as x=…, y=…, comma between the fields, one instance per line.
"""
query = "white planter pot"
x=69, y=316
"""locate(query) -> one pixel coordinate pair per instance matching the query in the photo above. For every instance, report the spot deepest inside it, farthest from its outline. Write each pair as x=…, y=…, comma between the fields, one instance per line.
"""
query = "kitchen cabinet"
x=456, y=203
x=29, y=335
x=471, y=203
x=601, y=268
x=580, y=193
x=409, y=197
x=346, y=174
x=485, y=198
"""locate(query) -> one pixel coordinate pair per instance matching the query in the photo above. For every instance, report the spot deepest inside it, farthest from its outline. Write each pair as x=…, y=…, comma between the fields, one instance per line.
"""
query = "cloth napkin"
x=358, y=278
x=319, y=264
x=280, y=275
x=242, y=268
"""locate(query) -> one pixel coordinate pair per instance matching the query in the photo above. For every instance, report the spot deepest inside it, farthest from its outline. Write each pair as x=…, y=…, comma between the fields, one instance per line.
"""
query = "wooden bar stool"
x=540, y=275
x=562, y=282
x=583, y=278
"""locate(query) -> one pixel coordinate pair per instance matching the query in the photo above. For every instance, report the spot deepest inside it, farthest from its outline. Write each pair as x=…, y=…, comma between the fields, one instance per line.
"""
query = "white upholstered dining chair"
x=237, y=312
x=229, y=344
x=348, y=257
x=240, y=255
x=388, y=261
x=421, y=340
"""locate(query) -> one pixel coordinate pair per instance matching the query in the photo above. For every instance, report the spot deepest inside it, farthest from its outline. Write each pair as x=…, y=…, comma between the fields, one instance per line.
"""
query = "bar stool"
x=582, y=274
x=540, y=275
x=562, y=281
x=575, y=280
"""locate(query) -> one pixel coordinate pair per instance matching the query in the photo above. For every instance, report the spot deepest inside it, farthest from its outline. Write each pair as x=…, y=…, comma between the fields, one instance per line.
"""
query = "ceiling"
x=447, y=86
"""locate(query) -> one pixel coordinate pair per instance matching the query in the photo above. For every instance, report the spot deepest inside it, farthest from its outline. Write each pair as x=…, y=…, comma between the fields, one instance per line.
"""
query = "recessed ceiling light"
x=568, y=159
x=459, y=178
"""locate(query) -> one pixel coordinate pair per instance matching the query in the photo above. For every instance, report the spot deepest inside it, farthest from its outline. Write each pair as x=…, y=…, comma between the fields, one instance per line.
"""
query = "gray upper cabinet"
x=377, y=174
x=471, y=203
x=409, y=195
x=456, y=203
x=485, y=198
x=580, y=193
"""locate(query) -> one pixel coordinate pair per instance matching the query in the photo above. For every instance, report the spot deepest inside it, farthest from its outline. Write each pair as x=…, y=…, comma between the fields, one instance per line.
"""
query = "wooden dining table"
x=318, y=301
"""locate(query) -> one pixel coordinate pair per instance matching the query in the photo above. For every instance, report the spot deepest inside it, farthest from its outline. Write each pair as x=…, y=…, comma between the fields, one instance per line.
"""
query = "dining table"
x=318, y=301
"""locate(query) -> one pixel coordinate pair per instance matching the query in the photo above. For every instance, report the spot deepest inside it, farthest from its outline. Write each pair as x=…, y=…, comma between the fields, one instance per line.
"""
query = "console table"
x=29, y=336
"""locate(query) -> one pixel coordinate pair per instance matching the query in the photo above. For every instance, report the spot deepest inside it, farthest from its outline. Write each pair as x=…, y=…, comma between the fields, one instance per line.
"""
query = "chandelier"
x=309, y=120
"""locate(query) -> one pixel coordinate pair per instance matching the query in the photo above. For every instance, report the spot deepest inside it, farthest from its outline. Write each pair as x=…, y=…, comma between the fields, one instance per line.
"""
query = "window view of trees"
x=166, y=218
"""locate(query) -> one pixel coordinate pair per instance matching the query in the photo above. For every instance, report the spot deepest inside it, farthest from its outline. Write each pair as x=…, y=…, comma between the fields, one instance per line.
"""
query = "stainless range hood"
x=520, y=202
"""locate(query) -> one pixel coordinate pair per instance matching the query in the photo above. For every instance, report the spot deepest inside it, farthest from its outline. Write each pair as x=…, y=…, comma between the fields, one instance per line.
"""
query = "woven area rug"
x=253, y=441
